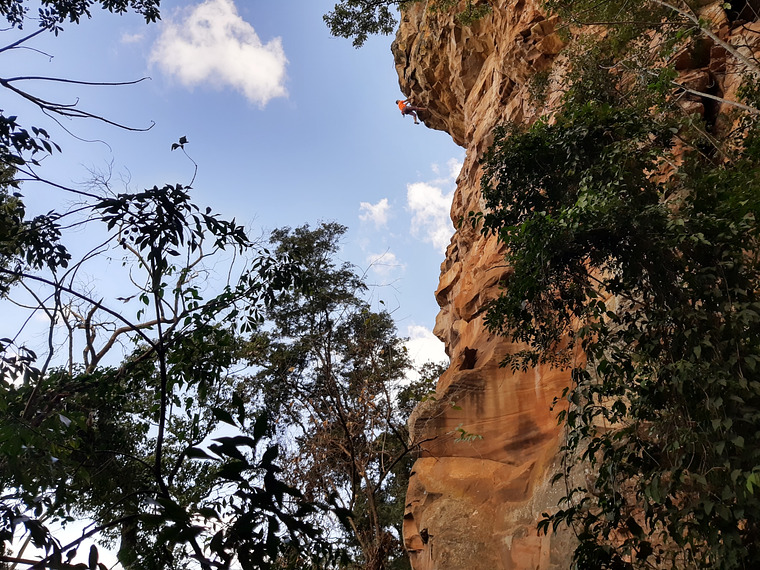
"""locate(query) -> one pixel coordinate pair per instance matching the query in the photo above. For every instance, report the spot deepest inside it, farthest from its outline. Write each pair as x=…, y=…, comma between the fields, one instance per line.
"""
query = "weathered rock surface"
x=491, y=438
x=479, y=490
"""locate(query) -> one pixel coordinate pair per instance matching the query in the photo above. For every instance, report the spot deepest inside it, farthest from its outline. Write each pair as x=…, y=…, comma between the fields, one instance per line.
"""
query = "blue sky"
x=288, y=126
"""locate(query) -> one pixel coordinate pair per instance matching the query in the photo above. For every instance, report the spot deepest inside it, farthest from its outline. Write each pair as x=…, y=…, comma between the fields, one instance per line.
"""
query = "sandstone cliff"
x=476, y=495
x=481, y=484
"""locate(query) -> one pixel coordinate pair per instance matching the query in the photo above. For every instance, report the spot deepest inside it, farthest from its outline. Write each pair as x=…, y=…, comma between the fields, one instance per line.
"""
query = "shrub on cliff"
x=633, y=229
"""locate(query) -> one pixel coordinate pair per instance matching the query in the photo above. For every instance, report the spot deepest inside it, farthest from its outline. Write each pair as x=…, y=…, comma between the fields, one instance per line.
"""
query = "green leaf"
x=708, y=506
x=93, y=557
x=197, y=453
x=223, y=416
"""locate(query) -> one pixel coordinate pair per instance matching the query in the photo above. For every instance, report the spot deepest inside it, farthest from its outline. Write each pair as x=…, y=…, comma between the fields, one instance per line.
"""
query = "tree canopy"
x=359, y=19
x=140, y=448
x=130, y=420
x=334, y=378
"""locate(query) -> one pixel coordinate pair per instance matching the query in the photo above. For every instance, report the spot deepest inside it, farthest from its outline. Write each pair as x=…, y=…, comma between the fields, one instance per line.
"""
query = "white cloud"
x=384, y=264
x=430, y=213
x=424, y=346
x=455, y=167
x=430, y=205
x=375, y=213
x=132, y=38
x=210, y=44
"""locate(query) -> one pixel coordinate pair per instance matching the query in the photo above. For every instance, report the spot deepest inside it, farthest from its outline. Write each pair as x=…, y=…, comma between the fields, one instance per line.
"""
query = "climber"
x=407, y=109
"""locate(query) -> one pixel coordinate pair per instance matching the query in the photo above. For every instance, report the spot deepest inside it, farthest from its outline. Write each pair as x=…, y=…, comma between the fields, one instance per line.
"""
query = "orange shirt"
x=402, y=105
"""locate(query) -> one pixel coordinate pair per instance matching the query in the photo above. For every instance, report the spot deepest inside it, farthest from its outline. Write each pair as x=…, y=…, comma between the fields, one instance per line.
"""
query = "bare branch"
x=73, y=81
x=67, y=109
x=98, y=356
x=22, y=40
x=736, y=104
x=69, y=290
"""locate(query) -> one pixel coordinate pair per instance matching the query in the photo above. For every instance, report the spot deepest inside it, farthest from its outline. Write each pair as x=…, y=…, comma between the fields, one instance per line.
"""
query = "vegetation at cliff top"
x=359, y=19
x=633, y=230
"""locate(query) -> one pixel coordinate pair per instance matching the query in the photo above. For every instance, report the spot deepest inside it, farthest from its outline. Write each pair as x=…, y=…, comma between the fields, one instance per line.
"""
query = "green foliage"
x=472, y=12
x=141, y=449
x=358, y=19
x=587, y=170
x=464, y=436
x=538, y=87
x=617, y=14
x=333, y=377
x=641, y=279
x=52, y=13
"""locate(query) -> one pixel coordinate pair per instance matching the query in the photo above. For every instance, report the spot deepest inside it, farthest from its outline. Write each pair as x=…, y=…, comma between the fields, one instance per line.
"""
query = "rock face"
x=491, y=438
x=479, y=489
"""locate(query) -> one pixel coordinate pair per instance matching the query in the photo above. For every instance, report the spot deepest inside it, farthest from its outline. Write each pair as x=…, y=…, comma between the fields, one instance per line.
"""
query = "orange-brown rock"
x=491, y=438
x=477, y=493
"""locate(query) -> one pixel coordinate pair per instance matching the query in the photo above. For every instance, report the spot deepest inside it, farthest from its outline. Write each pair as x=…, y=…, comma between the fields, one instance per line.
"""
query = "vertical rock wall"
x=481, y=485
x=491, y=440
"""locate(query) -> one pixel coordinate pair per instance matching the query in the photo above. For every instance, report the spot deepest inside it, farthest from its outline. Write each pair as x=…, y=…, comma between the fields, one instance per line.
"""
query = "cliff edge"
x=491, y=439
x=481, y=484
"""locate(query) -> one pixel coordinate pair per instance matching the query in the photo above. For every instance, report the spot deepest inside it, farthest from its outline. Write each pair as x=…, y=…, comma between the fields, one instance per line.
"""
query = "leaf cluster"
x=358, y=19
x=52, y=13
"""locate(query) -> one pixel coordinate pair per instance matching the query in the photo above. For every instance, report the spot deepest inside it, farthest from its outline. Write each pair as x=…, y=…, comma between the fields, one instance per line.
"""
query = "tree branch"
x=752, y=67
x=22, y=40
x=67, y=110
x=70, y=291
